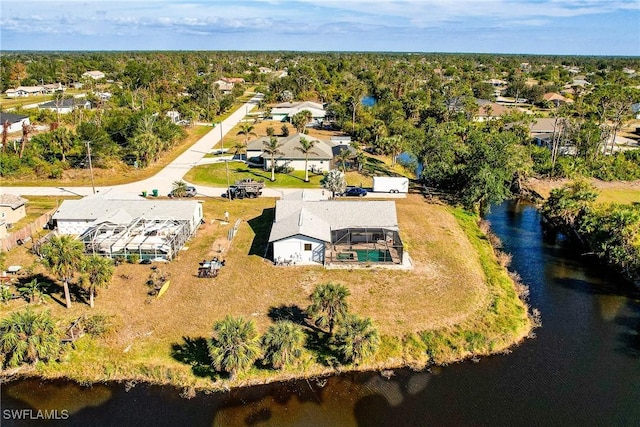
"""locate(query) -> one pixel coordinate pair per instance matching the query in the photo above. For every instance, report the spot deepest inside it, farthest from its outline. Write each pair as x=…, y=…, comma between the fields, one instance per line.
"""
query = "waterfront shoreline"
x=471, y=337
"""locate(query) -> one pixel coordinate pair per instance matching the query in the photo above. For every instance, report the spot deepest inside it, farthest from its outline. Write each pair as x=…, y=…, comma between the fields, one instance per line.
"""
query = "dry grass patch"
x=446, y=287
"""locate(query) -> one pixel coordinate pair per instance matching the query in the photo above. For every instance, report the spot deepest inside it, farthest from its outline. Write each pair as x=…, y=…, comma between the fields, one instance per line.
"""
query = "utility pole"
x=90, y=167
x=226, y=162
x=221, y=137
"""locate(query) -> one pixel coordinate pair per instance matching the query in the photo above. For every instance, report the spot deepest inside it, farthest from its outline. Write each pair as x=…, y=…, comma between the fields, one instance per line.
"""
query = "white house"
x=15, y=121
x=335, y=232
x=286, y=110
x=95, y=75
x=65, y=106
x=24, y=91
x=123, y=225
x=319, y=159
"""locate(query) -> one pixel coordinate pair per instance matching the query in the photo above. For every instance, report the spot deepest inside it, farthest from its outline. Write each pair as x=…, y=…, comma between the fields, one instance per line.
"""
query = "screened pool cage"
x=144, y=238
x=372, y=245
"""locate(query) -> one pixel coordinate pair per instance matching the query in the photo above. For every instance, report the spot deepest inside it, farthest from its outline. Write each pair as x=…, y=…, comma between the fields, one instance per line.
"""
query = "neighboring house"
x=334, y=232
x=54, y=87
x=224, y=86
x=124, y=225
x=15, y=121
x=95, y=75
x=24, y=91
x=635, y=109
x=286, y=110
x=557, y=99
x=265, y=70
x=233, y=80
x=319, y=159
x=488, y=110
x=65, y=106
x=12, y=208
x=544, y=131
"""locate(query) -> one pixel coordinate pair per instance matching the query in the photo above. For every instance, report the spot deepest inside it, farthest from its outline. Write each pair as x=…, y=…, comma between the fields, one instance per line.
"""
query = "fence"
x=25, y=233
x=233, y=231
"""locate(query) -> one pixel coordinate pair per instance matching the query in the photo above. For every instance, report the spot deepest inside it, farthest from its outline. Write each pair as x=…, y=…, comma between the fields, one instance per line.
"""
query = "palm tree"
x=343, y=157
x=246, y=129
x=283, y=343
x=357, y=339
x=328, y=305
x=97, y=272
x=334, y=181
x=361, y=160
x=63, y=140
x=147, y=144
x=63, y=256
x=234, y=346
x=32, y=291
x=27, y=337
x=272, y=148
x=179, y=189
x=393, y=147
x=301, y=119
x=306, y=147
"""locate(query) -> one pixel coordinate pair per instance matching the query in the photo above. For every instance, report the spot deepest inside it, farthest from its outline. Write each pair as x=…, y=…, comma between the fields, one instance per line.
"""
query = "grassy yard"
x=215, y=175
x=456, y=301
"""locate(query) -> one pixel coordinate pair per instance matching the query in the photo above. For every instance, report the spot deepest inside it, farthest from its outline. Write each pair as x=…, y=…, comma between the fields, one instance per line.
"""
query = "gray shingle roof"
x=321, y=151
x=318, y=218
x=14, y=202
x=93, y=208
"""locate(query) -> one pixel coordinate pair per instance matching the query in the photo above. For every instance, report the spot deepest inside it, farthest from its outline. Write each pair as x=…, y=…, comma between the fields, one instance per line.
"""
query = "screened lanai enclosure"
x=142, y=237
x=374, y=245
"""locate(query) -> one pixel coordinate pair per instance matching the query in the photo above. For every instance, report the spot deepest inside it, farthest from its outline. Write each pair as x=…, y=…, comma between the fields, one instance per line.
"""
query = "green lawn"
x=625, y=196
x=215, y=175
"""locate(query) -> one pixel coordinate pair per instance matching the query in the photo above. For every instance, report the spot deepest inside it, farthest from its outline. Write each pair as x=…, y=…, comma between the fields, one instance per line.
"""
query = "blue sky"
x=582, y=27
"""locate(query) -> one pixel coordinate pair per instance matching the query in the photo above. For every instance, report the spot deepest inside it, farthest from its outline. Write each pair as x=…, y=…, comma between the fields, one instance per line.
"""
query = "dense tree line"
x=424, y=104
x=609, y=231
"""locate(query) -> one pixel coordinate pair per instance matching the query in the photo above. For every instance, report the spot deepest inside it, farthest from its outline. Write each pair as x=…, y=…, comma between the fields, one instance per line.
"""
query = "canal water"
x=582, y=369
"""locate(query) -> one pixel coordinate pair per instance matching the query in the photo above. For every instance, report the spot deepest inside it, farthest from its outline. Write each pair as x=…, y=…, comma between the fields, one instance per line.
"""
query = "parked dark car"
x=355, y=192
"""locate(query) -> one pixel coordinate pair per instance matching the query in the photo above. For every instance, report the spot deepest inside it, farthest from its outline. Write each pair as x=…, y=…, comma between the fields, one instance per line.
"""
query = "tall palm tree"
x=97, y=274
x=246, y=129
x=306, y=147
x=146, y=143
x=343, y=157
x=283, y=343
x=357, y=339
x=63, y=139
x=361, y=159
x=328, y=305
x=63, y=256
x=272, y=148
x=27, y=337
x=234, y=346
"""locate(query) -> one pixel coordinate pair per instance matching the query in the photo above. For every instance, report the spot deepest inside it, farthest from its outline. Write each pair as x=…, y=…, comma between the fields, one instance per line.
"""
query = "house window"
x=307, y=246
